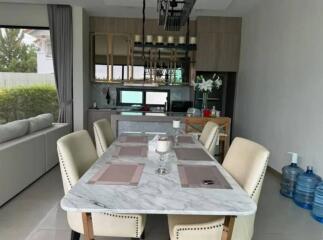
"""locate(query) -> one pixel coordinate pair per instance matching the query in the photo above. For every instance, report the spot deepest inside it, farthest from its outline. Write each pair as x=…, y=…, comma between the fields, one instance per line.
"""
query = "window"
x=156, y=98
x=101, y=72
x=130, y=97
x=27, y=84
x=150, y=97
x=118, y=72
x=138, y=72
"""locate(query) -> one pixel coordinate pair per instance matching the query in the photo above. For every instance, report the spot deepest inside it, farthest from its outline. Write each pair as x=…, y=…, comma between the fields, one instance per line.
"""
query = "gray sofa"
x=25, y=158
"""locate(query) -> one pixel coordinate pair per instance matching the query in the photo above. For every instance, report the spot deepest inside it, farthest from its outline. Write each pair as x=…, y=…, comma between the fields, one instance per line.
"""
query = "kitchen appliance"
x=181, y=106
x=193, y=112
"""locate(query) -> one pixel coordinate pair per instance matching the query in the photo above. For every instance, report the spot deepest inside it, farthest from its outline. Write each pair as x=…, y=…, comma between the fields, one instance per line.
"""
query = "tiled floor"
x=35, y=215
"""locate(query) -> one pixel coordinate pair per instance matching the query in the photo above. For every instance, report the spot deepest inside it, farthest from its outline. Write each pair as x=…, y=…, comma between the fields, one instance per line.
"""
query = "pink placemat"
x=133, y=139
x=192, y=154
x=118, y=174
x=197, y=176
x=131, y=151
x=185, y=139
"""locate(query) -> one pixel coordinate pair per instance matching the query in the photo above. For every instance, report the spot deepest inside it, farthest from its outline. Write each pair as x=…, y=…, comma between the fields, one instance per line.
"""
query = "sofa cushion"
x=40, y=122
x=13, y=130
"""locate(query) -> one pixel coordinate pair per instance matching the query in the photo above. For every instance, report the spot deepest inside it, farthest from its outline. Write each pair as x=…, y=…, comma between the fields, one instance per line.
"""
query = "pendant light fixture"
x=173, y=14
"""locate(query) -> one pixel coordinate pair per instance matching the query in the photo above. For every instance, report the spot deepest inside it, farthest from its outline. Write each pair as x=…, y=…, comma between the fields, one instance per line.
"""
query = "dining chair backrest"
x=103, y=135
x=76, y=153
x=246, y=161
x=209, y=136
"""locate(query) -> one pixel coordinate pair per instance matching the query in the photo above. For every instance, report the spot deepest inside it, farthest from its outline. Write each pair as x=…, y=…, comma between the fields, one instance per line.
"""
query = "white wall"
x=280, y=83
x=81, y=82
x=23, y=14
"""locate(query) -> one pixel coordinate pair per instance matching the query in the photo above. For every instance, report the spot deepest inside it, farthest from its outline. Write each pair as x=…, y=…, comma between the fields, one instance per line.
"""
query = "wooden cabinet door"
x=218, y=44
x=227, y=51
x=218, y=52
x=205, y=54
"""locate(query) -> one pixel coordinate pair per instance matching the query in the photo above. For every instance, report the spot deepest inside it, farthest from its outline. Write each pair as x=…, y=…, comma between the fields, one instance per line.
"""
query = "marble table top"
x=156, y=194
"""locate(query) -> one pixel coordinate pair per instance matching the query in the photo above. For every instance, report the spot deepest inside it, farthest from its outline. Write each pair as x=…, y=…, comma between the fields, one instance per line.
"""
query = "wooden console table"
x=196, y=124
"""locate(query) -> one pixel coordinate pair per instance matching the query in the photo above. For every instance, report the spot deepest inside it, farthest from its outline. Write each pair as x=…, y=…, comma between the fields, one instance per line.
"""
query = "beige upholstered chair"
x=182, y=227
x=103, y=135
x=246, y=161
x=210, y=137
x=76, y=154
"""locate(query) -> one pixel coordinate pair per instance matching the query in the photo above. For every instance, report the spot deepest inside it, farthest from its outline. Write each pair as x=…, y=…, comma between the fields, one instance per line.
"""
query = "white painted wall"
x=280, y=83
x=23, y=14
x=81, y=83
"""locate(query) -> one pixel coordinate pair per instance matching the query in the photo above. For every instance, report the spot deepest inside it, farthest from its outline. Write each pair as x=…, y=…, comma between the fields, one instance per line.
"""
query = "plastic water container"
x=305, y=187
x=289, y=176
x=317, y=211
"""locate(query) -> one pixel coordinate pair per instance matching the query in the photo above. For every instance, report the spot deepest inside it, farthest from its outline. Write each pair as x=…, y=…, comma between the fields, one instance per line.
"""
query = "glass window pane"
x=117, y=72
x=156, y=98
x=125, y=71
x=131, y=97
x=27, y=82
x=138, y=72
x=101, y=72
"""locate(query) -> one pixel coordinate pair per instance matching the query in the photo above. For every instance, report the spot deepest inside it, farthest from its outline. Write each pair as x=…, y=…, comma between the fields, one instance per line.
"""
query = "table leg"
x=228, y=227
x=87, y=226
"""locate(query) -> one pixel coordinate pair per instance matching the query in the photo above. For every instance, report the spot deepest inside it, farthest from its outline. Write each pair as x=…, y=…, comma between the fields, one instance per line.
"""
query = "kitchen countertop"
x=138, y=118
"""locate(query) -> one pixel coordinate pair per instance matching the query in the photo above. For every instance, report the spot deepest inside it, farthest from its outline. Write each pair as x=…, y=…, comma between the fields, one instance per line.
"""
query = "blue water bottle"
x=317, y=211
x=305, y=187
x=289, y=176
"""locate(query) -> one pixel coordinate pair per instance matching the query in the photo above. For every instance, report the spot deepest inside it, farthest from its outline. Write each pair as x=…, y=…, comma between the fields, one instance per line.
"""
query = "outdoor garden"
x=22, y=101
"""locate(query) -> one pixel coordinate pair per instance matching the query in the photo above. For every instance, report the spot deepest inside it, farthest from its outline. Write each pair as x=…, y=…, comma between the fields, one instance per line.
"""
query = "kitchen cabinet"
x=218, y=44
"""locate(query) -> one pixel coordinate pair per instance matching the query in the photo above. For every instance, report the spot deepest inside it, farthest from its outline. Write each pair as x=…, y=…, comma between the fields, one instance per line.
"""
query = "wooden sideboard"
x=196, y=124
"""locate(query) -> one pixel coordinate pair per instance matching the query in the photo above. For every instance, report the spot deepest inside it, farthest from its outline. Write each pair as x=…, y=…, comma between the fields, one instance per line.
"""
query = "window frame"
x=119, y=90
x=29, y=27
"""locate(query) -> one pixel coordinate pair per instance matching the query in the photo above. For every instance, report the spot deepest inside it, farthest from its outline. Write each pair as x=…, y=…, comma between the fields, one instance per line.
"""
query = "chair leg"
x=75, y=235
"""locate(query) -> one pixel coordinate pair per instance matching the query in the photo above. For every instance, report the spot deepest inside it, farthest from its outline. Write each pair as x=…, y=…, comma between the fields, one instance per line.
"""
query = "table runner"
x=196, y=176
x=118, y=174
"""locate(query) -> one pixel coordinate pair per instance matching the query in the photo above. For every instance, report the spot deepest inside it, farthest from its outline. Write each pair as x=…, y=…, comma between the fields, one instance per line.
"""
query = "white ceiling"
x=133, y=8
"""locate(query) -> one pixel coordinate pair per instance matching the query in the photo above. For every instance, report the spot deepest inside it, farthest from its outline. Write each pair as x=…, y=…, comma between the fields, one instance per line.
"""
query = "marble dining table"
x=155, y=194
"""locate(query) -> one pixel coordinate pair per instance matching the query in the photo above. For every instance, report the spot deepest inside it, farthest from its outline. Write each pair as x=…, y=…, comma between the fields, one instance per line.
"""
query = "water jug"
x=317, y=211
x=289, y=175
x=306, y=184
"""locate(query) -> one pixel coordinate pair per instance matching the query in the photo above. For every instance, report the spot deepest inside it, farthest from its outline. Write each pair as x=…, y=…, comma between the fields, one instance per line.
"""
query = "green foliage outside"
x=15, y=55
x=29, y=101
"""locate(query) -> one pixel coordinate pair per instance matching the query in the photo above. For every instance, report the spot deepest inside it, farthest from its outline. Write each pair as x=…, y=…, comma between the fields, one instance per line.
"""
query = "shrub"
x=29, y=101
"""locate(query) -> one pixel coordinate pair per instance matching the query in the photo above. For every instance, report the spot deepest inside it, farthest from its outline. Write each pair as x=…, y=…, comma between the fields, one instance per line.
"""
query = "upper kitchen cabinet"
x=218, y=44
x=110, y=57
